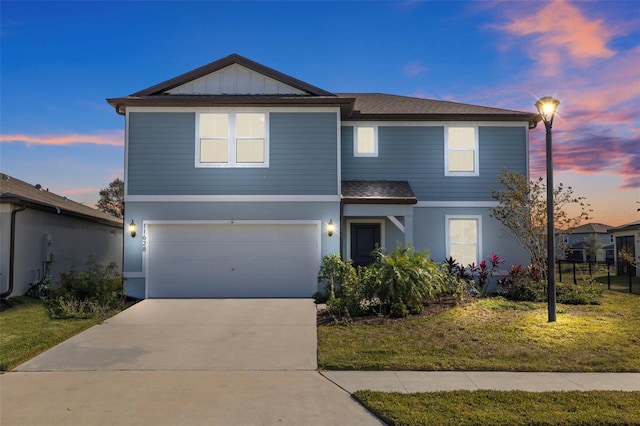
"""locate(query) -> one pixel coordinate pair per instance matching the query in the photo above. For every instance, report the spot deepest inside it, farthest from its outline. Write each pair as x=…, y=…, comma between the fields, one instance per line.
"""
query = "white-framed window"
x=464, y=238
x=365, y=141
x=232, y=139
x=461, y=151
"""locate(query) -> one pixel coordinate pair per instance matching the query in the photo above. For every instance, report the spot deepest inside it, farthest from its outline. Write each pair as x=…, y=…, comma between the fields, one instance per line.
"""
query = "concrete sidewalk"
x=429, y=381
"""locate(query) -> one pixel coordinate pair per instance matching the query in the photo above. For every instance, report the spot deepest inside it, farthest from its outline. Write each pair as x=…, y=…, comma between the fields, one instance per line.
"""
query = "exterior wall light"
x=547, y=108
x=133, y=228
x=331, y=227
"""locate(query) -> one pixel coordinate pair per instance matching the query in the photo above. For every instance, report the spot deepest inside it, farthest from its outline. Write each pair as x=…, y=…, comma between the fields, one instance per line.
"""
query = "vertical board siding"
x=416, y=154
x=303, y=158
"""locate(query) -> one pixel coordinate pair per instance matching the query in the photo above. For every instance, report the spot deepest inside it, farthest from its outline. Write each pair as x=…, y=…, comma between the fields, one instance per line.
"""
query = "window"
x=463, y=238
x=461, y=151
x=365, y=141
x=232, y=140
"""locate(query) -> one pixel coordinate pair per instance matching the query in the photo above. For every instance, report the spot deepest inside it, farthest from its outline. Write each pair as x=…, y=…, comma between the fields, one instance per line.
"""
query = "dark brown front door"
x=365, y=237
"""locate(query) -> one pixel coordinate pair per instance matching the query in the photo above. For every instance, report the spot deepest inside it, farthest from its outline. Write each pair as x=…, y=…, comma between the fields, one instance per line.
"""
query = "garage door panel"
x=232, y=260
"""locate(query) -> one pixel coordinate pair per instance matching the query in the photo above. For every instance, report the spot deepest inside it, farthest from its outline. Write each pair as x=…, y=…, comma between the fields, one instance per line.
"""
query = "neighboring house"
x=580, y=241
x=626, y=237
x=237, y=174
x=46, y=234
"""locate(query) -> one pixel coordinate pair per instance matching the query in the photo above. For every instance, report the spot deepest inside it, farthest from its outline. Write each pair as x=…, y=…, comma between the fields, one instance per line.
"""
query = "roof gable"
x=234, y=75
x=236, y=80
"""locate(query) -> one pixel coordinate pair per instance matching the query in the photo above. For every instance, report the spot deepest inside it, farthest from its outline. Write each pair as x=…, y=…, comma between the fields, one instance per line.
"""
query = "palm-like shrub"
x=407, y=279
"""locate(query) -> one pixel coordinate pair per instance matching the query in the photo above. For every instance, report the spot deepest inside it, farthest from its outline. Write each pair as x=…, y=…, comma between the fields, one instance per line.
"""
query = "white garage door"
x=232, y=260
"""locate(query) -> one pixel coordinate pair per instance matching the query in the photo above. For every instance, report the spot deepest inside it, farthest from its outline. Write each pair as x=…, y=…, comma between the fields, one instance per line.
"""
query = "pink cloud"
x=81, y=191
x=596, y=130
x=112, y=138
x=561, y=31
x=414, y=68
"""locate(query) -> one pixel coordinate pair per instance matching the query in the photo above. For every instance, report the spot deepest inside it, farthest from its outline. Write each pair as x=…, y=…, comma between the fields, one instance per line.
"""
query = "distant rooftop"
x=16, y=191
x=591, y=228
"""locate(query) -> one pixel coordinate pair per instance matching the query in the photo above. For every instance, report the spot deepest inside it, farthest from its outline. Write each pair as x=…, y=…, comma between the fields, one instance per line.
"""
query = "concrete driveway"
x=184, y=362
x=193, y=334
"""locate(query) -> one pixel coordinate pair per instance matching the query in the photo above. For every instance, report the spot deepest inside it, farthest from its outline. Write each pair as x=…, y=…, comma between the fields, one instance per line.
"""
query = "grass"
x=504, y=408
x=494, y=334
x=27, y=330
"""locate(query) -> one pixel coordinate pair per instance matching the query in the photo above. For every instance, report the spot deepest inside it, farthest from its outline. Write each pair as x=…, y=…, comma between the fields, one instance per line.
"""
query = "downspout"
x=12, y=249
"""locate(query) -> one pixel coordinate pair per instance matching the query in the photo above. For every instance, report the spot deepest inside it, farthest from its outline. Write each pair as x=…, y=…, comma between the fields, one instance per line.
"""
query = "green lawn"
x=26, y=330
x=494, y=334
x=481, y=407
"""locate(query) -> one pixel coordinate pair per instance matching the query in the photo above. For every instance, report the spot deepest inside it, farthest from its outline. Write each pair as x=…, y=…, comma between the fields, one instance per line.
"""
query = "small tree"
x=112, y=198
x=522, y=208
x=592, y=247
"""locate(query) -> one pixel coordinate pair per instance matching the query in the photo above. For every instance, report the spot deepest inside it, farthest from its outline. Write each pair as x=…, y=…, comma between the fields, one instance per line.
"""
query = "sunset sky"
x=60, y=60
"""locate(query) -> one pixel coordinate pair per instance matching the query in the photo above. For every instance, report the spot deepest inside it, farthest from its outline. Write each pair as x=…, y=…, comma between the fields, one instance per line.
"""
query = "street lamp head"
x=547, y=108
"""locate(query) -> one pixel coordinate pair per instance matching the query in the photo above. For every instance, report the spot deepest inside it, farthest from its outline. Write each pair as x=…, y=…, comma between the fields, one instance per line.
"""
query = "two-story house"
x=589, y=242
x=239, y=179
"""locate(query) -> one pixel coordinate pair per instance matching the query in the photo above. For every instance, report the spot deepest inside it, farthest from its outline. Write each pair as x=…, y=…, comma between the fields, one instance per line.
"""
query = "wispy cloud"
x=413, y=69
x=109, y=137
x=559, y=31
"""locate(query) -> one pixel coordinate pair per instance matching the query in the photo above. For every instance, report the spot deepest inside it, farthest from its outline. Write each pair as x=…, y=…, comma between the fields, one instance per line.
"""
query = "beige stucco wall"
x=73, y=241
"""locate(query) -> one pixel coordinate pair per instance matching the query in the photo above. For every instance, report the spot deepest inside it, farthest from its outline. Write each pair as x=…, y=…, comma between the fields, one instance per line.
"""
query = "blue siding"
x=416, y=154
x=303, y=158
x=429, y=233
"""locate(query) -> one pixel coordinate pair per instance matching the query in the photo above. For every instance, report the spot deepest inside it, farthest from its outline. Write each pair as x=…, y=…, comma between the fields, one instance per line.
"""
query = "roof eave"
x=50, y=208
x=120, y=104
x=532, y=119
x=379, y=200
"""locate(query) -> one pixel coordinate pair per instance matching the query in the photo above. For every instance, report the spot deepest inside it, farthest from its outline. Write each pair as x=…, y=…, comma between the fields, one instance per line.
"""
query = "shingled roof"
x=353, y=106
x=591, y=228
x=377, y=192
x=16, y=191
x=381, y=106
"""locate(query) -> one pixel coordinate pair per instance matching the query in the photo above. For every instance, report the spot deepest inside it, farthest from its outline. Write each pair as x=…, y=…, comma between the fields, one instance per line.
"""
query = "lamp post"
x=547, y=107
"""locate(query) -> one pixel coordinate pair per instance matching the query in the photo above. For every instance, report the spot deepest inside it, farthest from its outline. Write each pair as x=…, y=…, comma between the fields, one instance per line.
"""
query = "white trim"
x=396, y=222
x=390, y=123
x=348, y=225
x=126, y=153
x=232, y=198
x=478, y=231
x=146, y=223
x=224, y=108
x=355, y=141
x=134, y=274
x=339, y=151
x=232, y=141
x=463, y=204
x=476, y=151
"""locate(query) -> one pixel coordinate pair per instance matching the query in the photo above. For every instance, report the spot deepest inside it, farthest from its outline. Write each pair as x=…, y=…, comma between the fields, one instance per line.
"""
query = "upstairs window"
x=365, y=142
x=461, y=151
x=232, y=140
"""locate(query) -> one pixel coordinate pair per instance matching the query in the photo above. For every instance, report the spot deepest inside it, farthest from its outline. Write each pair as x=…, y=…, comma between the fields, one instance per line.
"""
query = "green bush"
x=589, y=293
x=408, y=278
x=88, y=293
x=397, y=284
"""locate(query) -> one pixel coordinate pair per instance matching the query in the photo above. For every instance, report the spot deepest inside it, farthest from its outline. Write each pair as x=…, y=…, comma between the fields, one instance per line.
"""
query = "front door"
x=365, y=237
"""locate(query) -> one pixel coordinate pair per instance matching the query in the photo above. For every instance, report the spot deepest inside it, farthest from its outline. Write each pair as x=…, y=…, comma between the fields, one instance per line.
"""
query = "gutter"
x=23, y=205
x=12, y=249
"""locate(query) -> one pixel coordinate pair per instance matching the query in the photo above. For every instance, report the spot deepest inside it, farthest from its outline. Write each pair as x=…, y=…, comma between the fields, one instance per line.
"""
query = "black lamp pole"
x=547, y=108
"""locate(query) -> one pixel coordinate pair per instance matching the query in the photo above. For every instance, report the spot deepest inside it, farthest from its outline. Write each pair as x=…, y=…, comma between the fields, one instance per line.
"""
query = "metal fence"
x=577, y=267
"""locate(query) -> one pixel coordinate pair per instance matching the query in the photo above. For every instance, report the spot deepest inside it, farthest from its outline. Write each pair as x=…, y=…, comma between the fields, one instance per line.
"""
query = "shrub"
x=409, y=278
x=523, y=285
x=344, y=291
x=89, y=293
x=589, y=293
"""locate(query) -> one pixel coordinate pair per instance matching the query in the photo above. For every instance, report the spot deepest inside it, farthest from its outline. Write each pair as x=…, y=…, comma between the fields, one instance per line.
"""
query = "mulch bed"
x=441, y=304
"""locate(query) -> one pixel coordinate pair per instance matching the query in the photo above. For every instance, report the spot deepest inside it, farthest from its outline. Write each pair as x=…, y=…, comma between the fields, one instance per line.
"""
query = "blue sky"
x=60, y=60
